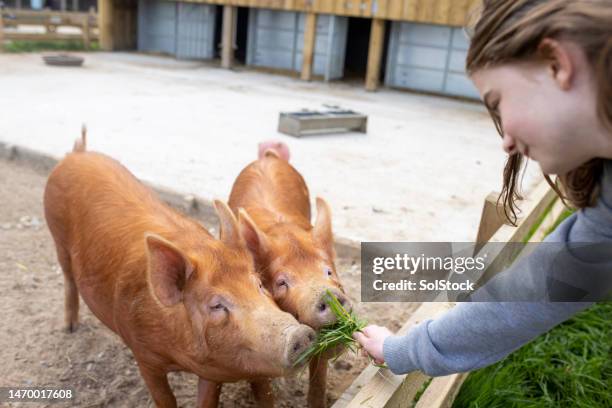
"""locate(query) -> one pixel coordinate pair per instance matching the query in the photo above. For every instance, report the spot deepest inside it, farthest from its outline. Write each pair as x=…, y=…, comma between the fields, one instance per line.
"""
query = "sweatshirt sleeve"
x=476, y=334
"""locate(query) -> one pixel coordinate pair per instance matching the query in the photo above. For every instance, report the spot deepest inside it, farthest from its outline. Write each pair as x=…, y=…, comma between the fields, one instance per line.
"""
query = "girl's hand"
x=371, y=338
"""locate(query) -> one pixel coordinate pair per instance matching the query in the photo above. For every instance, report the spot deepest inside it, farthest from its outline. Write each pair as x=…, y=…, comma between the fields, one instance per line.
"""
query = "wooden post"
x=491, y=219
x=1, y=32
x=75, y=5
x=310, y=36
x=85, y=29
x=228, y=36
x=377, y=40
x=63, y=5
x=105, y=24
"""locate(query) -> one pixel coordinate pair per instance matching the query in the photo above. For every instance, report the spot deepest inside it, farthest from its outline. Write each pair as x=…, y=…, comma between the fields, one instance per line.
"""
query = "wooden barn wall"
x=125, y=24
x=447, y=12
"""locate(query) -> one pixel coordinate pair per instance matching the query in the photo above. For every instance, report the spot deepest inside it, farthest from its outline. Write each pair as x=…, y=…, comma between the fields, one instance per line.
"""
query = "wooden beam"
x=228, y=36
x=442, y=391
x=549, y=221
x=1, y=33
x=385, y=389
x=105, y=24
x=86, y=32
x=377, y=40
x=310, y=37
x=491, y=219
x=506, y=243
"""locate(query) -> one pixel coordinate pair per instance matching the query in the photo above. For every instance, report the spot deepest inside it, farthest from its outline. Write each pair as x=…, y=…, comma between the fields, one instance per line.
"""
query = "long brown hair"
x=512, y=30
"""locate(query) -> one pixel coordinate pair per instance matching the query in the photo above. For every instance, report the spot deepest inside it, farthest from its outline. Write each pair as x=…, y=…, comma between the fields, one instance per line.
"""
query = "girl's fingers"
x=360, y=337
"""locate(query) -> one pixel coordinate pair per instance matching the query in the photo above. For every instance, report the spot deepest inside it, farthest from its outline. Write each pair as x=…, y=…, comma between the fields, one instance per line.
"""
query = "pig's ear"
x=228, y=224
x=169, y=269
x=322, y=230
x=256, y=239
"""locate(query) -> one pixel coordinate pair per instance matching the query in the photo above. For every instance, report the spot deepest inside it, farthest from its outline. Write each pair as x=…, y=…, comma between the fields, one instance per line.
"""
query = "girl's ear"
x=561, y=61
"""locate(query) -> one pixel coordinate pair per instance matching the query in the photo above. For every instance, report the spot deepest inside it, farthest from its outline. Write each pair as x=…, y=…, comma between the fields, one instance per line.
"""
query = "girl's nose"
x=509, y=144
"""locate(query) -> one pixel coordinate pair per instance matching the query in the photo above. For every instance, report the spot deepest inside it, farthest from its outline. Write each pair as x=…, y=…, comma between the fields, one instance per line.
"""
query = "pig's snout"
x=325, y=315
x=299, y=338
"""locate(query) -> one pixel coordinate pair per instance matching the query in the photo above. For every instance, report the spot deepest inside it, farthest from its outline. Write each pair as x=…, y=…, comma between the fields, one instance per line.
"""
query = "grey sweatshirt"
x=476, y=334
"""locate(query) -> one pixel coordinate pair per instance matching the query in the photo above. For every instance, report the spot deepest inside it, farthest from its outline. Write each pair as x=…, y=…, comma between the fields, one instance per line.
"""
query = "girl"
x=544, y=71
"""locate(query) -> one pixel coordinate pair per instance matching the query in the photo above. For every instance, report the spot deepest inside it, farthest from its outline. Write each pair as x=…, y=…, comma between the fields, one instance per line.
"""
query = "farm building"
x=410, y=44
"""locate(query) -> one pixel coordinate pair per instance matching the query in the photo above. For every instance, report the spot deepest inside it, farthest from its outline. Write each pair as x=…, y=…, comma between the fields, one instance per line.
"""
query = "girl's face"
x=547, y=110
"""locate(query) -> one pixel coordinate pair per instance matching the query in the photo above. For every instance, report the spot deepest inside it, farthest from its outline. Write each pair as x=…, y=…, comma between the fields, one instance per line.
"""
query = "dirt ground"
x=35, y=351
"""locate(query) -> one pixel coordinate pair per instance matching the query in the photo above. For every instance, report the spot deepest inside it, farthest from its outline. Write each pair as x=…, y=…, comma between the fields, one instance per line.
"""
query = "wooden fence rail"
x=12, y=19
x=380, y=388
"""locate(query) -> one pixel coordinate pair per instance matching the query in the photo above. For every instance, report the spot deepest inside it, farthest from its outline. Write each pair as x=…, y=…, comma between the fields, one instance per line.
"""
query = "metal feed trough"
x=63, y=60
x=315, y=123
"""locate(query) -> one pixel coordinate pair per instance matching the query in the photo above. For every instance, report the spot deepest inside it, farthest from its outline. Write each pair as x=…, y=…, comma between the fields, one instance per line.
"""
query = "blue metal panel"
x=195, y=31
x=429, y=58
x=157, y=26
x=276, y=40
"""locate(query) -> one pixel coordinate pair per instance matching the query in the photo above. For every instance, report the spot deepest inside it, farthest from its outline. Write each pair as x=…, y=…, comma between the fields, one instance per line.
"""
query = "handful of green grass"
x=338, y=334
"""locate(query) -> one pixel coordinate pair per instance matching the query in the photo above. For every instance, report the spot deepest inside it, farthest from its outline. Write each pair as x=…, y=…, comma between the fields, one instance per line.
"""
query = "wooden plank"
x=228, y=36
x=16, y=36
x=380, y=8
x=54, y=18
x=442, y=391
x=491, y=219
x=86, y=34
x=105, y=24
x=549, y=221
x=500, y=256
x=447, y=12
x=1, y=32
x=310, y=35
x=386, y=389
x=375, y=52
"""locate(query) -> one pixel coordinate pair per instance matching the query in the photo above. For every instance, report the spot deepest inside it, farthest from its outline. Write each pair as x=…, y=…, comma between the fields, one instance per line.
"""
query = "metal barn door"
x=195, y=31
x=157, y=26
x=276, y=40
x=428, y=58
x=185, y=30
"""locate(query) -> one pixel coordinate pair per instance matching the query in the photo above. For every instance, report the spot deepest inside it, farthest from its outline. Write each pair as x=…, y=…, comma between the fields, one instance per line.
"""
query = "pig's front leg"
x=317, y=383
x=208, y=393
x=263, y=393
x=157, y=383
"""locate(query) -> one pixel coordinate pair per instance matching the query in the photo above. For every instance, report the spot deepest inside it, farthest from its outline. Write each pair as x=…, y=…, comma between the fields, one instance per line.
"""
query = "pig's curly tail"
x=80, y=145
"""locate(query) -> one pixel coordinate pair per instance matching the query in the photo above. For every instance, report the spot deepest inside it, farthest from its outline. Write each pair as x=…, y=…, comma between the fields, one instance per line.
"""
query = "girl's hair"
x=511, y=31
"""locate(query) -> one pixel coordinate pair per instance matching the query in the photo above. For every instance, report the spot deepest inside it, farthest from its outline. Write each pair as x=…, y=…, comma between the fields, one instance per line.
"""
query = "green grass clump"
x=570, y=366
x=337, y=334
x=34, y=46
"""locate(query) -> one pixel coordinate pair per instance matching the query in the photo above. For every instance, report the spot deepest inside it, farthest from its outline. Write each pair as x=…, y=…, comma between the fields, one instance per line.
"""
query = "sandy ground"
x=420, y=174
x=35, y=351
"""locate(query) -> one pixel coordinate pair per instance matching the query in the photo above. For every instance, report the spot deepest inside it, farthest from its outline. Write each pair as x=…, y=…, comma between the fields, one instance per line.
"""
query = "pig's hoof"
x=71, y=327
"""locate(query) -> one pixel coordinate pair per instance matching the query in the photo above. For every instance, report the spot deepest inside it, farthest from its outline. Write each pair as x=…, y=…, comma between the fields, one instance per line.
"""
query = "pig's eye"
x=328, y=272
x=282, y=282
x=217, y=307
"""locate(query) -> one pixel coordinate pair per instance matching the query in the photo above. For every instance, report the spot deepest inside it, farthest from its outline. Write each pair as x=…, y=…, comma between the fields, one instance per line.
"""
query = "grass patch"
x=570, y=366
x=35, y=46
x=338, y=334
